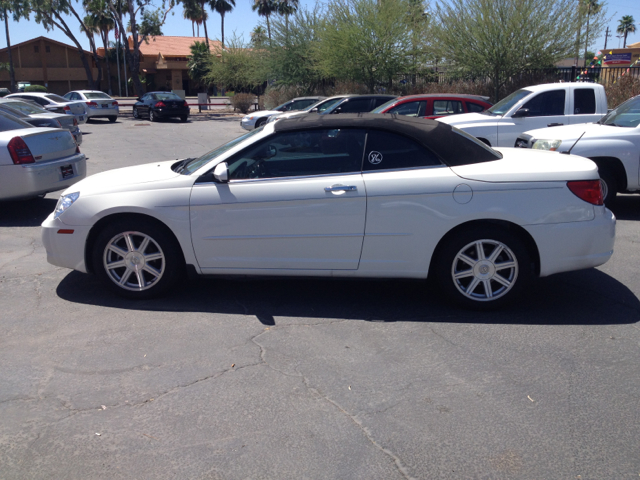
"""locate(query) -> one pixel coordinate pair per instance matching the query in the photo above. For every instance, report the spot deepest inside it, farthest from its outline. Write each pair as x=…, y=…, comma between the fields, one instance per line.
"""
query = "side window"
x=447, y=107
x=546, y=104
x=474, y=107
x=356, y=105
x=68, y=96
x=388, y=151
x=410, y=109
x=300, y=153
x=300, y=104
x=286, y=107
x=584, y=101
x=379, y=101
x=40, y=100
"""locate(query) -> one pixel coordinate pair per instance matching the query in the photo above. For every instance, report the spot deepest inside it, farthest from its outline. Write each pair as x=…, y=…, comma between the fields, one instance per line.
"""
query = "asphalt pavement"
x=253, y=378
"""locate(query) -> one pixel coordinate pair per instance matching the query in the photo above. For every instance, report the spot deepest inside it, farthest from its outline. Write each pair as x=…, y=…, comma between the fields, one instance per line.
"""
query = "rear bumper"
x=102, y=112
x=167, y=112
x=26, y=181
x=564, y=247
x=65, y=249
x=77, y=135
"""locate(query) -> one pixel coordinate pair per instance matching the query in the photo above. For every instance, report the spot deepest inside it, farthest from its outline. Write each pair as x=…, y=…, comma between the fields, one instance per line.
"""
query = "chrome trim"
x=271, y=237
x=341, y=188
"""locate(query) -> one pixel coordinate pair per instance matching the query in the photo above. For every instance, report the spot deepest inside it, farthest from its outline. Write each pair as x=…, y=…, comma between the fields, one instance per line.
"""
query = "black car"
x=157, y=105
x=358, y=104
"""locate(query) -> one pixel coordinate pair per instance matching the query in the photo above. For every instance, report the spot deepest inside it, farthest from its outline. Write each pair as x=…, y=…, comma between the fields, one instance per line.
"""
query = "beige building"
x=47, y=62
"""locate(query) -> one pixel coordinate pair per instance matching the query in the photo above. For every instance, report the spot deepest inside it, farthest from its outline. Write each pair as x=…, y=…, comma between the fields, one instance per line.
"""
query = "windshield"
x=97, y=96
x=384, y=106
x=195, y=163
x=626, y=115
x=56, y=98
x=26, y=108
x=504, y=105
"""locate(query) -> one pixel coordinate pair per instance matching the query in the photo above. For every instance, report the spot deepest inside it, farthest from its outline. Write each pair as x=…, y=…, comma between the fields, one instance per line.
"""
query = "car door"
x=294, y=201
x=147, y=100
x=410, y=203
x=546, y=109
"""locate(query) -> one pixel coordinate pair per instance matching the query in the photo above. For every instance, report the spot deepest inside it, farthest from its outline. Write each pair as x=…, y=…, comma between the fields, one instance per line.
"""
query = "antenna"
x=568, y=152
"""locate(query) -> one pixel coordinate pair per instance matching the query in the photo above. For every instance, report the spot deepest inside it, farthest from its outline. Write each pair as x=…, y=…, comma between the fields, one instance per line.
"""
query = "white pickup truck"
x=538, y=106
x=613, y=143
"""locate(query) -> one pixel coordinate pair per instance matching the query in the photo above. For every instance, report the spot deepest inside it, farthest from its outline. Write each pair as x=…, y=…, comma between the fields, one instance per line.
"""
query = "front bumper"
x=248, y=124
x=65, y=249
x=565, y=247
x=27, y=181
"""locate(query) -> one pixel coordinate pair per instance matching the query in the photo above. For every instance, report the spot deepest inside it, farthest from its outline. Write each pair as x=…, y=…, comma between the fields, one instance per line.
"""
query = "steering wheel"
x=257, y=170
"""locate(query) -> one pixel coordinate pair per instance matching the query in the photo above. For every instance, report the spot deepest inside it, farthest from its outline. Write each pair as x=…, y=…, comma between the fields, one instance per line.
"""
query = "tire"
x=152, y=116
x=260, y=122
x=135, y=113
x=137, y=259
x=183, y=118
x=609, y=186
x=113, y=119
x=476, y=283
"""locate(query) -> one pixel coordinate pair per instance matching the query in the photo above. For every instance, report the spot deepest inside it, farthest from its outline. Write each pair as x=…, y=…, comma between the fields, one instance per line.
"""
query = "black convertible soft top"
x=453, y=146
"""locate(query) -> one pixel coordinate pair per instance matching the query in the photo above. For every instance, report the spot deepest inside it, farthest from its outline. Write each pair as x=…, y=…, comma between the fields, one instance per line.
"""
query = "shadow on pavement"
x=589, y=297
x=26, y=213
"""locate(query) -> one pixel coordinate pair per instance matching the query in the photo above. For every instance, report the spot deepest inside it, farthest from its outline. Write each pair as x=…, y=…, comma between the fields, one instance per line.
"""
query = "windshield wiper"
x=181, y=165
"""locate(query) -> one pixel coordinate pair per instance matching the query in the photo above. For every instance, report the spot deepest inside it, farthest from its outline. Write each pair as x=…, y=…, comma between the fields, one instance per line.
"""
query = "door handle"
x=341, y=188
x=554, y=124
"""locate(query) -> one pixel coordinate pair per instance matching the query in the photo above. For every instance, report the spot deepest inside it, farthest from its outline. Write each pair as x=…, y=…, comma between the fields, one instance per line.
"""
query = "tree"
x=265, y=8
x=501, y=38
x=150, y=24
x=198, y=62
x=592, y=7
x=222, y=7
x=193, y=11
x=99, y=20
x=626, y=26
x=235, y=67
x=286, y=8
x=258, y=37
x=365, y=41
x=18, y=11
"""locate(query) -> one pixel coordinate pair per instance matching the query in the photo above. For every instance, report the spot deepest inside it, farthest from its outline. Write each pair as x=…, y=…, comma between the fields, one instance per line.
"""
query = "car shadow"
x=26, y=213
x=588, y=297
x=627, y=207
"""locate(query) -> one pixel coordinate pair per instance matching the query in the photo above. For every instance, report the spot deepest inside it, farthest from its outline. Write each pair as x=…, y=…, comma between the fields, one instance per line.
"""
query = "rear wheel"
x=183, y=118
x=137, y=259
x=483, y=267
x=113, y=119
x=609, y=186
x=152, y=116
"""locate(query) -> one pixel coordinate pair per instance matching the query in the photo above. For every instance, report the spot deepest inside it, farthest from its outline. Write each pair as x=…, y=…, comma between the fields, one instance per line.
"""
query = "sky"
x=242, y=20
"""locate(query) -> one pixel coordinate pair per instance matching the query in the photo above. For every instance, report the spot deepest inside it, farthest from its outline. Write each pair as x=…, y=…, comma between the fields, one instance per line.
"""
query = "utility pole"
x=606, y=37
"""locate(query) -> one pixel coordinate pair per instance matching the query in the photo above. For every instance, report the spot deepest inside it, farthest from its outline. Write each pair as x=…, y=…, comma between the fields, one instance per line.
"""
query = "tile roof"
x=171, y=46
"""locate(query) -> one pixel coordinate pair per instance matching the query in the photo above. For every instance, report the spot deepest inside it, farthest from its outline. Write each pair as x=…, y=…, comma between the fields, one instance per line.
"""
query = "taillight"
x=115, y=104
x=66, y=108
x=77, y=148
x=75, y=122
x=588, y=190
x=159, y=105
x=92, y=104
x=186, y=104
x=20, y=153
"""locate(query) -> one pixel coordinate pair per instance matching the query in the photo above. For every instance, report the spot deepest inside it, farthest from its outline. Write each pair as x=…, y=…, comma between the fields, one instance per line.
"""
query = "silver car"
x=39, y=117
x=99, y=104
x=55, y=103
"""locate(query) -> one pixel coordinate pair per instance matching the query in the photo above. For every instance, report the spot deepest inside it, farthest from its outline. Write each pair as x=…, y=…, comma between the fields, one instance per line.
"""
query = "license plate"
x=174, y=106
x=66, y=171
x=104, y=105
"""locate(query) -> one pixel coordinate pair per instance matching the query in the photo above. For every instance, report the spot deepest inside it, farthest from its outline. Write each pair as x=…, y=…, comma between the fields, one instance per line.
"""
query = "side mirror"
x=221, y=173
x=313, y=110
x=523, y=112
x=138, y=99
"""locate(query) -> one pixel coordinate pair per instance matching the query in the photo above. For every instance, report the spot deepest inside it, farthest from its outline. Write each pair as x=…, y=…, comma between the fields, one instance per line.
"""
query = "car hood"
x=525, y=165
x=123, y=179
x=572, y=132
x=469, y=119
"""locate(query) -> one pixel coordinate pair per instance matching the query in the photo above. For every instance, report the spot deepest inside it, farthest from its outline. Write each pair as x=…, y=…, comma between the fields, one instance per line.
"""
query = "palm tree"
x=286, y=8
x=265, y=8
x=12, y=74
x=258, y=36
x=99, y=19
x=626, y=26
x=193, y=11
x=592, y=7
x=222, y=7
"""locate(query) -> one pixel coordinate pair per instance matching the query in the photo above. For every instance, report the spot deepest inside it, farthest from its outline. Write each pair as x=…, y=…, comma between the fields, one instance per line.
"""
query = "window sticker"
x=375, y=157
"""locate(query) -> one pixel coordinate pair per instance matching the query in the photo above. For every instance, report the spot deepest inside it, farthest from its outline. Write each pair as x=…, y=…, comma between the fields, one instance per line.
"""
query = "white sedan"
x=36, y=160
x=99, y=104
x=365, y=195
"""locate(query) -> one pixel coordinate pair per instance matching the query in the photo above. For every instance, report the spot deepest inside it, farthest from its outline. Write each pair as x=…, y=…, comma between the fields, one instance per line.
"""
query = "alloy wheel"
x=134, y=261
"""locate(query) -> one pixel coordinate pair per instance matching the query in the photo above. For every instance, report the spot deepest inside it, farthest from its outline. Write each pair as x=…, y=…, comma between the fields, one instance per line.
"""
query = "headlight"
x=247, y=118
x=65, y=202
x=551, y=145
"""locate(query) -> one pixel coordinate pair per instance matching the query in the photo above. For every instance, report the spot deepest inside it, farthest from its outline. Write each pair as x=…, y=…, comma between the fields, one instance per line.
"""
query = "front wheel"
x=609, y=186
x=483, y=268
x=137, y=259
x=135, y=113
x=260, y=122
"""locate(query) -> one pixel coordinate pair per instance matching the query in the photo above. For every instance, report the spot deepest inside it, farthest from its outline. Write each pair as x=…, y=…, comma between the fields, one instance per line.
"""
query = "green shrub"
x=36, y=88
x=621, y=91
x=243, y=101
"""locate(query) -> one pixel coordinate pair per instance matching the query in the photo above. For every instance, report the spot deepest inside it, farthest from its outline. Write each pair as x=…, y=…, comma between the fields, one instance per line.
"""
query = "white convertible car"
x=364, y=195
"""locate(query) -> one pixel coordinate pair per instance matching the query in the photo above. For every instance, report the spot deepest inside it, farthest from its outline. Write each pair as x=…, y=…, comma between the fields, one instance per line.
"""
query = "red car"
x=434, y=105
